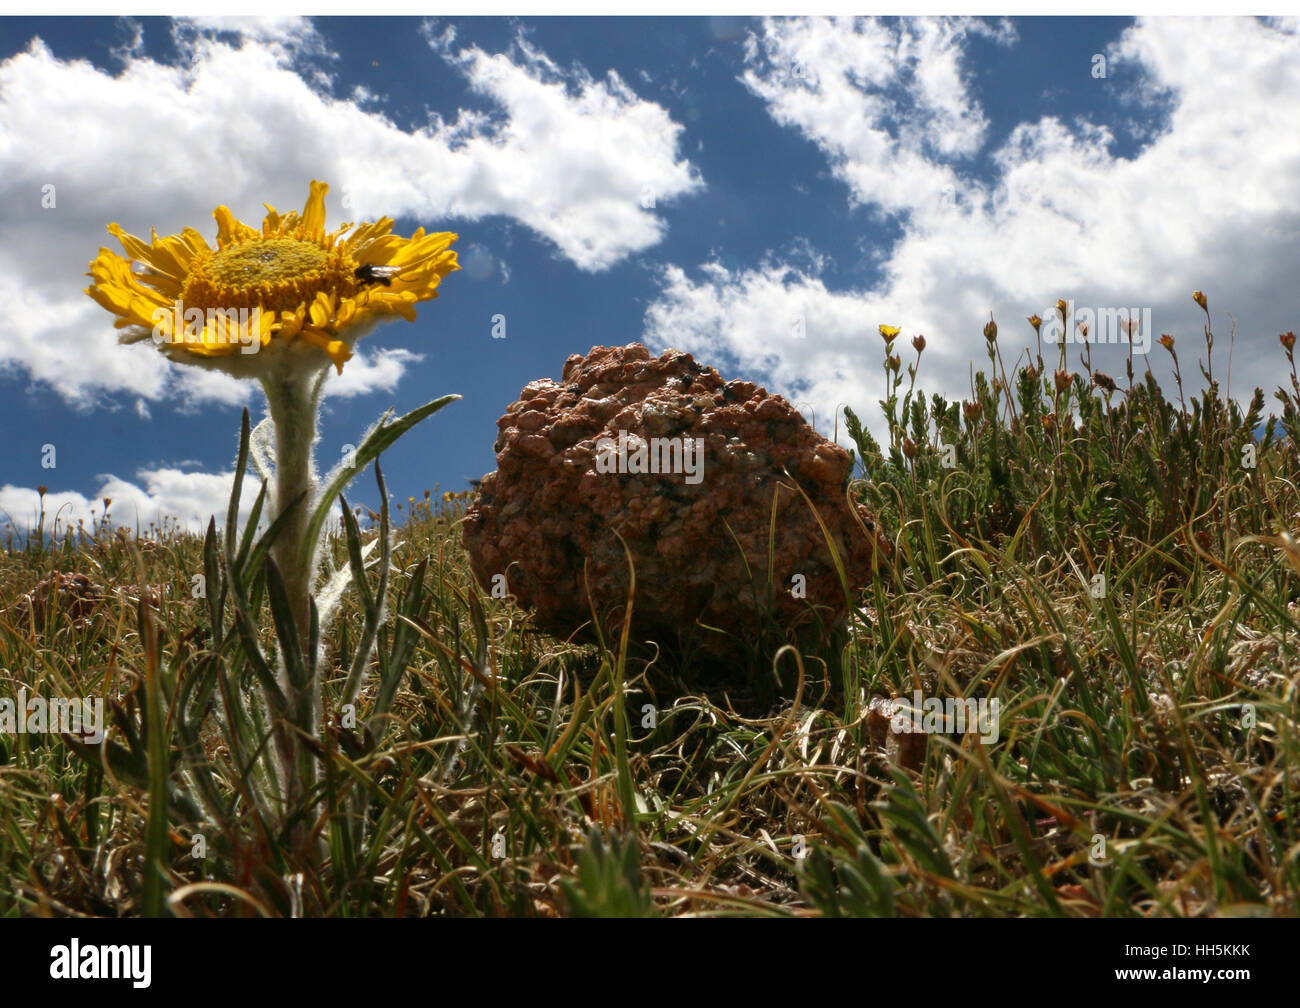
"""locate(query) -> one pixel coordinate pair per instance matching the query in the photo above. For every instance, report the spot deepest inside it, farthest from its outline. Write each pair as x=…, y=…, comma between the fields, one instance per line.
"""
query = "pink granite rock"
x=686, y=467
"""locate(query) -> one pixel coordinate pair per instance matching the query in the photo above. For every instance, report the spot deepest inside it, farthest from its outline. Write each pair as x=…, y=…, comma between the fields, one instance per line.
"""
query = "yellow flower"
x=290, y=288
x=888, y=333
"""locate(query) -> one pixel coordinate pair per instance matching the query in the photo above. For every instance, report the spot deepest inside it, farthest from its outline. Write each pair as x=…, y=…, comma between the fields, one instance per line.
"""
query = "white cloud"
x=1212, y=201
x=285, y=30
x=162, y=497
x=370, y=370
x=166, y=498
x=884, y=102
x=247, y=117
x=812, y=343
x=583, y=162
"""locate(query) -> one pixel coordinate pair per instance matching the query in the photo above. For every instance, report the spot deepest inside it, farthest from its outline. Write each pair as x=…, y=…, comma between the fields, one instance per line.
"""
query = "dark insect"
x=369, y=274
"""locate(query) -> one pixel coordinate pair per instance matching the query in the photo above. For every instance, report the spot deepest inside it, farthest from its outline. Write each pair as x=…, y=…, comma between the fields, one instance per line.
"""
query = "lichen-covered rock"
x=687, y=468
x=77, y=599
x=74, y=596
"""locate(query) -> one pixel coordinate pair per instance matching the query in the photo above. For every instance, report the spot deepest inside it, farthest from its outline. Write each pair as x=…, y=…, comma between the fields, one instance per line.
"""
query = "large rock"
x=698, y=535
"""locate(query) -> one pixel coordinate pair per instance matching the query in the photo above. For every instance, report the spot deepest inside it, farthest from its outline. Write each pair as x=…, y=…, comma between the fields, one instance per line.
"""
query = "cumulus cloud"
x=1211, y=201
x=813, y=344
x=246, y=116
x=887, y=103
x=286, y=31
x=583, y=162
x=165, y=498
x=369, y=370
x=162, y=499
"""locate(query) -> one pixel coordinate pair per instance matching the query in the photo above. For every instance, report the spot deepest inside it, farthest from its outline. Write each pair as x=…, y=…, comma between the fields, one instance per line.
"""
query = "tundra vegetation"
x=1113, y=563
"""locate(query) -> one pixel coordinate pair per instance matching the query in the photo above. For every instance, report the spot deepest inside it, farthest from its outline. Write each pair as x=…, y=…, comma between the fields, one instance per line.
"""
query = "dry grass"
x=1146, y=762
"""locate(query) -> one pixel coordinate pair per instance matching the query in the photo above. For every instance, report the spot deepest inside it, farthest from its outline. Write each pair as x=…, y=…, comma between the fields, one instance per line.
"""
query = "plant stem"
x=292, y=404
x=293, y=398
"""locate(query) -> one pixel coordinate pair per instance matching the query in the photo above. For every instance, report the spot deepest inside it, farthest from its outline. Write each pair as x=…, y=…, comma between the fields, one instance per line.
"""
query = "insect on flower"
x=369, y=274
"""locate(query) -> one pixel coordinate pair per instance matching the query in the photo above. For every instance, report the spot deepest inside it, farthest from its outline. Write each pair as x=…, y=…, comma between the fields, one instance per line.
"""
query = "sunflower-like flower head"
x=289, y=291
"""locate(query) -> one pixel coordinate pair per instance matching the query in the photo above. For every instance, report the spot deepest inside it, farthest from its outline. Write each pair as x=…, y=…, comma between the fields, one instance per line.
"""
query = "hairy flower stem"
x=293, y=399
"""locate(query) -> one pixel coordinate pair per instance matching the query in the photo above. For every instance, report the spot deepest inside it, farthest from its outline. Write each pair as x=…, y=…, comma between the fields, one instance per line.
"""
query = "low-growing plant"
x=1103, y=561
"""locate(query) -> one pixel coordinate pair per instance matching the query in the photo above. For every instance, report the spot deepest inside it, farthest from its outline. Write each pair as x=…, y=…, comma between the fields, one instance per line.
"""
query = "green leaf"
x=285, y=630
x=373, y=603
x=159, y=770
x=377, y=442
x=232, y=509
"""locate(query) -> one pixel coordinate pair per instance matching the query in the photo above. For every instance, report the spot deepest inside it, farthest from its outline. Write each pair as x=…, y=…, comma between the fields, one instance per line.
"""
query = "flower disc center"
x=269, y=261
x=274, y=274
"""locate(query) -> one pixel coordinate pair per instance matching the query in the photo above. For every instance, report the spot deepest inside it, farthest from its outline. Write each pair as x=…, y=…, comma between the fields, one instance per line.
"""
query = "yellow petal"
x=230, y=228
x=322, y=311
x=135, y=248
x=271, y=223
x=313, y=214
x=337, y=351
x=193, y=241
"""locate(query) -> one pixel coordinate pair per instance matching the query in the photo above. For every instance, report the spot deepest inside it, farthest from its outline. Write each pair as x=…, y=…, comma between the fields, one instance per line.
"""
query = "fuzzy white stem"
x=293, y=415
x=293, y=398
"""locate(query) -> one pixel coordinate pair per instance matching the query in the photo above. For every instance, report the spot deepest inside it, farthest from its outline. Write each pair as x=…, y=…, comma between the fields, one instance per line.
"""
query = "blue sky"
x=915, y=172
